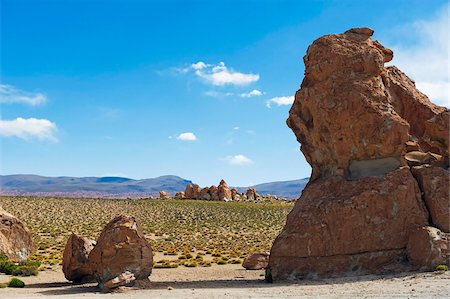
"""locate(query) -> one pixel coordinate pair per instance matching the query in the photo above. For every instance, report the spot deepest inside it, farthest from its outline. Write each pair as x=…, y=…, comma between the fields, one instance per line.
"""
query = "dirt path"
x=232, y=281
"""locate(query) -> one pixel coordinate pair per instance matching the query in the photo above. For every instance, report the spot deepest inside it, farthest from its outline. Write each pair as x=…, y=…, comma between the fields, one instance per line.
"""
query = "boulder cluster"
x=15, y=239
x=120, y=257
x=378, y=197
x=217, y=193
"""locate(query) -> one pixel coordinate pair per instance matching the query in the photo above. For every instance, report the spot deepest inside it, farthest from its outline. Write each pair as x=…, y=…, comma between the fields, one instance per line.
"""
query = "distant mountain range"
x=112, y=187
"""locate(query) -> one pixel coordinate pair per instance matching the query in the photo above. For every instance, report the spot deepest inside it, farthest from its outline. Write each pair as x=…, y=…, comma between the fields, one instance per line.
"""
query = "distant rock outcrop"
x=15, y=239
x=76, y=265
x=220, y=193
x=163, y=195
x=122, y=254
x=356, y=120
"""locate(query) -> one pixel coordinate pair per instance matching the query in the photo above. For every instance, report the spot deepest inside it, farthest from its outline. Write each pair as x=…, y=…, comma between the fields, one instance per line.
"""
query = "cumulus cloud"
x=29, y=128
x=220, y=74
x=425, y=58
x=9, y=94
x=253, y=93
x=280, y=101
x=188, y=136
x=238, y=160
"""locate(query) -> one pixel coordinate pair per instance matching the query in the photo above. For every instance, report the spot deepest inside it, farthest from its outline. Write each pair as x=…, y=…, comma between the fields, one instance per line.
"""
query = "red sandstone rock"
x=256, y=261
x=76, y=265
x=355, y=120
x=15, y=239
x=192, y=191
x=428, y=247
x=224, y=191
x=437, y=132
x=121, y=247
x=435, y=185
x=345, y=220
x=214, y=193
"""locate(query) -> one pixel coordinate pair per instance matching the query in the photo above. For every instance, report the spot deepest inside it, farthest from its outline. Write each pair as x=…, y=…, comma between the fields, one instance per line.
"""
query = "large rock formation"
x=121, y=248
x=76, y=266
x=355, y=120
x=15, y=239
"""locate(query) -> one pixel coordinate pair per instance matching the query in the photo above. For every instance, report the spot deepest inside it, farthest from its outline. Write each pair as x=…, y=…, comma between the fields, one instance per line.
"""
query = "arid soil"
x=232, y=281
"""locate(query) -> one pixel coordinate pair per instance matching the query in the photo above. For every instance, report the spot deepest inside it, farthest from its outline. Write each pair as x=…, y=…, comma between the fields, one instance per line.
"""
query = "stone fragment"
x=76, y=266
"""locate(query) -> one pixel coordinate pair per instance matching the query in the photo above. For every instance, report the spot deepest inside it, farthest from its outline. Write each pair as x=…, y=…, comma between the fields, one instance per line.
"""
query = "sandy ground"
x=232, y=281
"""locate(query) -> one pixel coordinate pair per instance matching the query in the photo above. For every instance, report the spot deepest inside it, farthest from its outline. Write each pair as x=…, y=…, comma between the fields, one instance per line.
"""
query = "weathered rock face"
x=192, y=191
x=76, y=265
x=121, y=247
x=435, y=185
x=355, y=120
x=214, y=192
x=351, y=114
x=428, y=247
x=15, y=239
x=224, y=192
x=256, y=261
x=340, y=220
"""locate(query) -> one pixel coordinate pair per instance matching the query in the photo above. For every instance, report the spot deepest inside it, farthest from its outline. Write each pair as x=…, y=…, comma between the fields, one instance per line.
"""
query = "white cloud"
x=236, y=128
x=253, y=93
x=9, y=94
x=280, y=101
x=29, y=128
x=425, y=57
x=220, y=74
x=188, y=136
x=199, y=65
x=217, y=94
x=238, y=160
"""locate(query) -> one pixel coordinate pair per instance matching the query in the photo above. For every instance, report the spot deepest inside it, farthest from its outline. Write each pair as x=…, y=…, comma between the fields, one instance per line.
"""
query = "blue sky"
x=199, y=89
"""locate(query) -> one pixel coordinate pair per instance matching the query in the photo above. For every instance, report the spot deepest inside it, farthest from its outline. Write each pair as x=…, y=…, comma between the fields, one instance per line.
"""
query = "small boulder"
x=428, y=247
x=76, y=265
x=121, y=247
x=15, y=239
x=256, y=261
